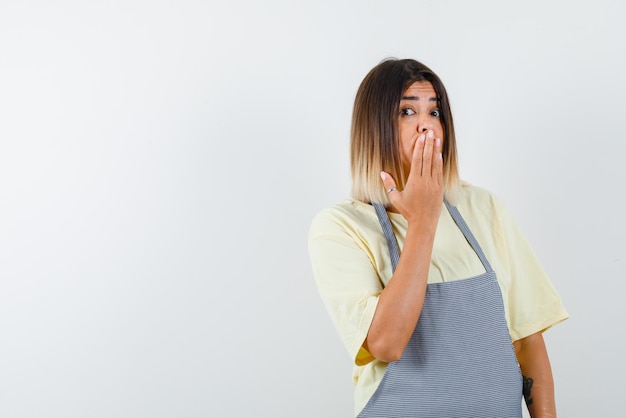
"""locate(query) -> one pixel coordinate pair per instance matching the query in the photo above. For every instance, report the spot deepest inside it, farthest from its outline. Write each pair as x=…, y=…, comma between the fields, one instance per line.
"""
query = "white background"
x=161, y=161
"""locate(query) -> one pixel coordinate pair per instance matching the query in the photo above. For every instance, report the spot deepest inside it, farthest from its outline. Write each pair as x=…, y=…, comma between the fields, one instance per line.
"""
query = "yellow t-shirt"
x=351, y=266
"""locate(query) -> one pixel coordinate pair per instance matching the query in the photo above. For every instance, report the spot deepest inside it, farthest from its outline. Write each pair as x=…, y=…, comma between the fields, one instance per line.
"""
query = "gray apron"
x=460, y=361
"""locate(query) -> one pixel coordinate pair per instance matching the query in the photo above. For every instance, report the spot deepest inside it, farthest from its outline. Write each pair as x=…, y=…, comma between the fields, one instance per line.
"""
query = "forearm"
x=538, y=382
x=400, y=303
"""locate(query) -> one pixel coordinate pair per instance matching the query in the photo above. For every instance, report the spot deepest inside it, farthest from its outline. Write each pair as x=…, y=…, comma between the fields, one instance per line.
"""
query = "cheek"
x=405, y=142
x=439, y=129
x=406, y=148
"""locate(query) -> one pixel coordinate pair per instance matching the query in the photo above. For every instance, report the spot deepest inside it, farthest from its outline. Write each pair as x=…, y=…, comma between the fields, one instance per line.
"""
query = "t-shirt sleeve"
x=346, y=280
x=531, y=301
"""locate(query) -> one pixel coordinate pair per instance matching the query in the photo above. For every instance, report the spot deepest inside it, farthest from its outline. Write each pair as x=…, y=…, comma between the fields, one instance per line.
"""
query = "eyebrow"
x=432, y=99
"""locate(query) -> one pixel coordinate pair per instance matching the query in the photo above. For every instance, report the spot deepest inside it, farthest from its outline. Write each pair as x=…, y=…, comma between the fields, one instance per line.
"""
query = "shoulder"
x=475, y=195
x=477, y=200
x=347, y=224
x=482, y=209
x=345, y=216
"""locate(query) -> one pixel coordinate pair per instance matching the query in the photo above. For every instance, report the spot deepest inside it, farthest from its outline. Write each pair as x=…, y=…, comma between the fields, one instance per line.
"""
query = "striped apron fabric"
x=460, y=361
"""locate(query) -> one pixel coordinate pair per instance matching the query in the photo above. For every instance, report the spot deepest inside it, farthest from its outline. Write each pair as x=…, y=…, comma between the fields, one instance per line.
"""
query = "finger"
x=418, y=155
x=429, y=145
x=389, y=183
x=438, y=161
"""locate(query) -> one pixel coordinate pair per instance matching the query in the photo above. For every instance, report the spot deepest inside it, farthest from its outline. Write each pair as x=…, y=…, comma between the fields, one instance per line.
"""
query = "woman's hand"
x=422, y=196
x=400, y=303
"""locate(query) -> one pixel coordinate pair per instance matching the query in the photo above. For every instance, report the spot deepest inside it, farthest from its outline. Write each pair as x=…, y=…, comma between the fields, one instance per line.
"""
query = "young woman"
x=435, y=293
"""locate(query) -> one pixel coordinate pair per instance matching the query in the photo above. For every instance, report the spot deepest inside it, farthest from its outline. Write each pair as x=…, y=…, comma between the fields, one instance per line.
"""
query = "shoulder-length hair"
x=374, y=140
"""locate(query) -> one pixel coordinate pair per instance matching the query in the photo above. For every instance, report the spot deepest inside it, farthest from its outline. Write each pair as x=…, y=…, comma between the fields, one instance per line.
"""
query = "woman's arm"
x=538, y=383
x=400, y=303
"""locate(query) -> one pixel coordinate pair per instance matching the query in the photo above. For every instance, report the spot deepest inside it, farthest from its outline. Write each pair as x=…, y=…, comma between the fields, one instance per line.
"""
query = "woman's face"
x=419, y=113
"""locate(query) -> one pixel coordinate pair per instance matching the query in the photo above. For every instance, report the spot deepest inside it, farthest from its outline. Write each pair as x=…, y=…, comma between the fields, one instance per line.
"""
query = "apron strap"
x=460, y=222
x=392, y=244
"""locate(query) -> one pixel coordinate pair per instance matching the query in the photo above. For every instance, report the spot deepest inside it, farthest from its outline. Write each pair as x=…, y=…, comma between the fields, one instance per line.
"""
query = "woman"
x=435, y=293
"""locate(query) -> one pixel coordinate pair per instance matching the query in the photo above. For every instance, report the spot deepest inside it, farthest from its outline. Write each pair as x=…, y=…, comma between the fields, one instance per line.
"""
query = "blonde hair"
x=374, y=141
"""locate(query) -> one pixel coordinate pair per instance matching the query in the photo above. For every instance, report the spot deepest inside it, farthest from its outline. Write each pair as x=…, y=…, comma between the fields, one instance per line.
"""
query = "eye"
x=407, y=112
x=436, y=113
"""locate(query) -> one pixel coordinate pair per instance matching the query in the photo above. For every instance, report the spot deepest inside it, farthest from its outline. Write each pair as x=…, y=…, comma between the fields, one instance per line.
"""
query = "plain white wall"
x=160, y=163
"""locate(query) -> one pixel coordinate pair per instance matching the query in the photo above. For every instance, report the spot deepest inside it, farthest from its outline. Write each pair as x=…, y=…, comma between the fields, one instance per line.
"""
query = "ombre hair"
x=374, y=140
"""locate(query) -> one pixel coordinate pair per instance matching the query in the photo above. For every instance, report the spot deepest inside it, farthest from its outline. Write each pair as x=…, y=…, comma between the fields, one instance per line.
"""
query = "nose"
x=424, y=124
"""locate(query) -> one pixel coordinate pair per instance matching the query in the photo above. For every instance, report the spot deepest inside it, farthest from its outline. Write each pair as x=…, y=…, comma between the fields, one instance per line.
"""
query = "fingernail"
x=383, y=175
x=431, y=134
x=437, y=141
x=421, y=138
